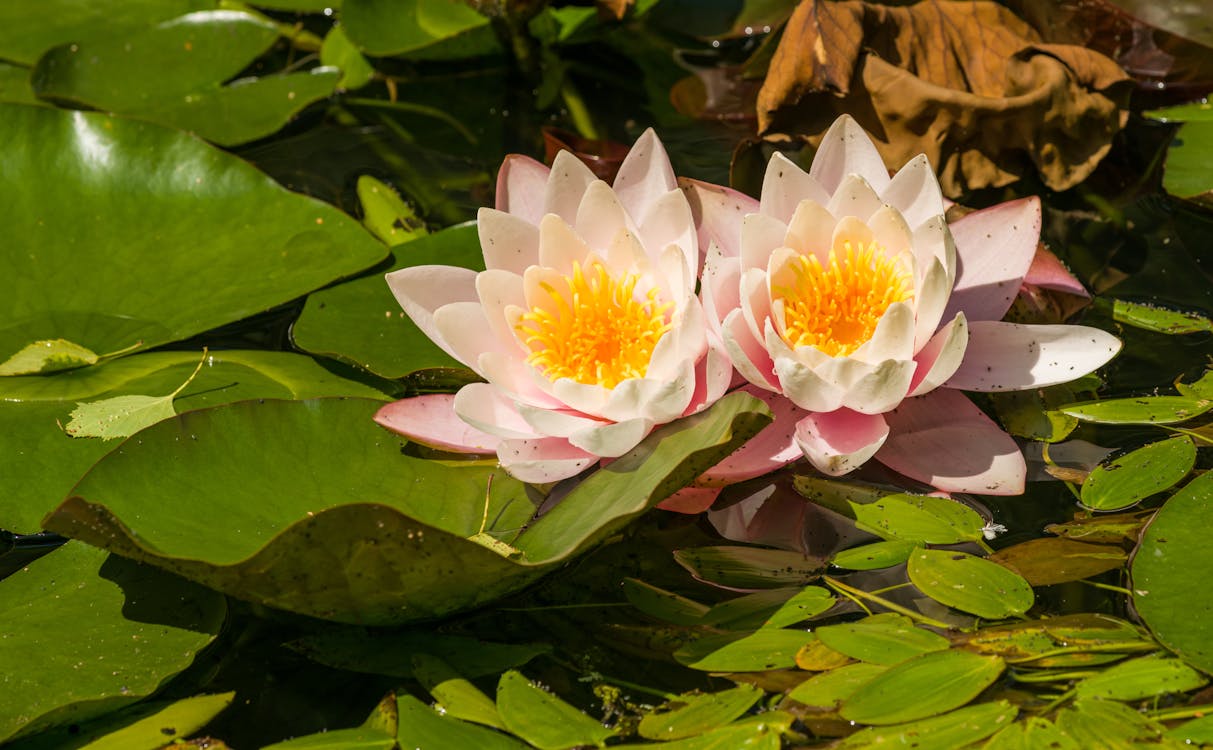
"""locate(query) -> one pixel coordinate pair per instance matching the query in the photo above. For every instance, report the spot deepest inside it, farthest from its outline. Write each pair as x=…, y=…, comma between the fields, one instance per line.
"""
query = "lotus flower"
x=846, y=292
x=585, y=323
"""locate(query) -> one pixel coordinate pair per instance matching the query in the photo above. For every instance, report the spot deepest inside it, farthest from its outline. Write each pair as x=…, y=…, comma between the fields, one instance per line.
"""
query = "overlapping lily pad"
x=119, y=232
x=323, y=515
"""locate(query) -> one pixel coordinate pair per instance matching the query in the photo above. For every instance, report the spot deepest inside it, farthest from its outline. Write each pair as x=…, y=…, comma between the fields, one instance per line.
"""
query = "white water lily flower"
x=847, y=292
x=585, y=323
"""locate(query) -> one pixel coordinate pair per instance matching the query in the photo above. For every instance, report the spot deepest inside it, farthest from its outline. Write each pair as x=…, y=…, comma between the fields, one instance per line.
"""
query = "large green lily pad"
x=85, y=633
x=310, y=507
x=119, y=231
x=1169, y=569
x=45, y=462
x=425, y=29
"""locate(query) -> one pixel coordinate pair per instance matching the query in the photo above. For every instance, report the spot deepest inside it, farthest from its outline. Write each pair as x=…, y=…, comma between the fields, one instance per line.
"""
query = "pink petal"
x=421, y=290
x=717, y=212
x=1048, y=272
x=784, y=186
x=748, y=354
x=720, y=289
x=543, y=460
x=431, y=420
x=468, y=334
x=690, y=500
x=845, y=150
x=508, y=242
x=942, y=439
x=1012, y=357
x=644, y=176
x=668, y=221
x=713, y=375
x=772, y=448
x=939, y=359
x=520, y=185
x=489, y=410
x=994, y=249
x=840, y=441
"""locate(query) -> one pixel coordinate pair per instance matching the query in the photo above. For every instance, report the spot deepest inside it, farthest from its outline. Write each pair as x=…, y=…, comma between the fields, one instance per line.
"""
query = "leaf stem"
x=1184, y=712
x=851, y=592
x=193, y=374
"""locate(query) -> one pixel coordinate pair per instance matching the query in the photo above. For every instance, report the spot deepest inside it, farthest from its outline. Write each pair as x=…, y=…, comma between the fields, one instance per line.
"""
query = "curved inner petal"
x=594, y=328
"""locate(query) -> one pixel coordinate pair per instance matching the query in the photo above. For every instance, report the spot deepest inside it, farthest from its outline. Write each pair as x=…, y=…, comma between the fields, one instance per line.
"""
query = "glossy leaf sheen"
x=924, y=686
x=1170, y=571
x=1143, y=410
x=920, y=518
x=874, y=556
x=48, y=356
x=692, y=714
x=417, y=28
x=118, y=193
x=953, y=730
x=970, y=584
x=882, y=639
x=1132, y=477
x=757, y=651
x=828, y=689
x=455, y=695
x=66, y=617
x=542, y=719
x=1052, y=560
x=1158, y=319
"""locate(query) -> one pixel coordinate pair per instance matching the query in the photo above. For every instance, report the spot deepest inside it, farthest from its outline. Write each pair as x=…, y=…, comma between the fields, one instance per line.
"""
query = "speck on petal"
x=1012, y=357
x=840, y=441
x=431, y=420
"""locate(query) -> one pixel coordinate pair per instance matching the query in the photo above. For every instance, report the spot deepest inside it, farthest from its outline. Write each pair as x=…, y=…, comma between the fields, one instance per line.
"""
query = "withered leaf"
x=1051, y=560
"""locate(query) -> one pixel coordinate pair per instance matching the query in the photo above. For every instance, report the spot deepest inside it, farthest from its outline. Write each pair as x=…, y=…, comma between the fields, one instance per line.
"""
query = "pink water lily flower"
x=847, y=292
x=585, y=323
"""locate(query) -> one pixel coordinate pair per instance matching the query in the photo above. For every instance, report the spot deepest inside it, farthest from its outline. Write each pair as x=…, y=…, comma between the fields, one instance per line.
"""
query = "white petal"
x=512, y=375
x=555, y=422
x=685, y=342
x=931, y=297
x=811, y=231
x=941, y=357
x=713, y=376
x=853, y=230
x=914, y=191
x=498, y=290
x=644, y=175
x=891, y=232
x=509, y=242
x=466, y=330
x=421, y=290
x=933, y=240
x=761, y=235
x=840, y=441
x=806, y=388
x=625, y=253
x=543, y=460
x=520, y=185
x=659, y=401
x=600, y=217
x=613, y=439
x=893, y=337
x=854, y=197
x=755, y=300
x=559, y=245
x=1012, y=357
x=569, y=180
x=846, y=149
x=869, y=389
x=784, y=186
x=489, y=410
x=669, y=222
x=587, y=399
x=748, y=354
x=720, y=287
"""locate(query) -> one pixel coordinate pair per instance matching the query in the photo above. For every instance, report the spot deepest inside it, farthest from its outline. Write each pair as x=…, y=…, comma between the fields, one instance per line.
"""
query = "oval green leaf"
x=1132, y=477
x=828, y=689
x=881, y=639
x=748, y=568
x=695, y=713
x=772, y=608
x=1145, y=677
x=970, y=584
x=920, y=518
x=544, y=720
x=1142, y=410
x=874, y=556
x=760, y=650
x=1170, y=571
x=953, y=730
x=456, y=696
x=1159, y=319
x=1052, y=560
x=423, y=728
x=924, y=686
x=662, y=604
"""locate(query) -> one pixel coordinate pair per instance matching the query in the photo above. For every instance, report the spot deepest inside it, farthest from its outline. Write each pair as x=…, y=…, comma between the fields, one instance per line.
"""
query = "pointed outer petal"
x=612, y=439
x=600, y=216
x=772, y=448
x=995, y=247
x=893, y=337
x=890, y=231
x=720, y=286
x=625, y=253
x=498, y=291
x=669, y=222
x=690, y=500
x=560, y=245
x=520, y=187
x=431, y=420
x=489, y=410
x=1048, y=272
x=1012, y=357
x=543, y=460
x=845, y=150
x=717, y=212
x=811, y=230
x=755, y=300
x=761, y=235
x=914, y=191
x=854, y=197
x=747, y=353
x=840, y=441
x=683, y=344
x=658, y=401
x=930, y=300
x=514, y=376
x=806, y=388
x=645, y=176
x=869, y=389
x=556, y=422
x=587, y=399
x=466, y=330
x=785, y=185
x=713, y=376
x=933, y=240
x=941, y=356
x=421, y=290
x=944, y=440
x=508, y=242
x=569, y=180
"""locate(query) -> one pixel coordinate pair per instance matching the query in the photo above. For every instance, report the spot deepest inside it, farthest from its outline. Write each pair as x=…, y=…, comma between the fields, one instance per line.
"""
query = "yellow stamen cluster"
x=593, y=328
x=836, y=308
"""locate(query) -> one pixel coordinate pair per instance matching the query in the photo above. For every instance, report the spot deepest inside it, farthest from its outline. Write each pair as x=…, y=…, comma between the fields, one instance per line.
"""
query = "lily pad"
x=70, y=614
x=1130, y=478
x=924, y=686
x=828, y=689
x=423, y=29
x=970, y=584
x=108, y=205
x=146, y=726
x=338, y=524
x=1169, y=571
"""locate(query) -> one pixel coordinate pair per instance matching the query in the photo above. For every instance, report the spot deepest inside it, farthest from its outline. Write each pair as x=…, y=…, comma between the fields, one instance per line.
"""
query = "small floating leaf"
x=384, y=212
x=920, y=518
x=1144, y=677
x=970, y=584
x=457, y=697
x=692, y=714
x=760, y=650
x=828, y=689
x=423, y=727
x=772, y=608
x=1141, y=410
x=927, y=685
x=662, y=604
x=952, y=730
x=123, y=416
x=747, y=568
x=50, y=355
x=542, y=719
x=1051, y=560
x=881, y=639
x=1106, y=724
x=874, y=556
x=1030, y=734
x=1130, y=478
x=1159, y=319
